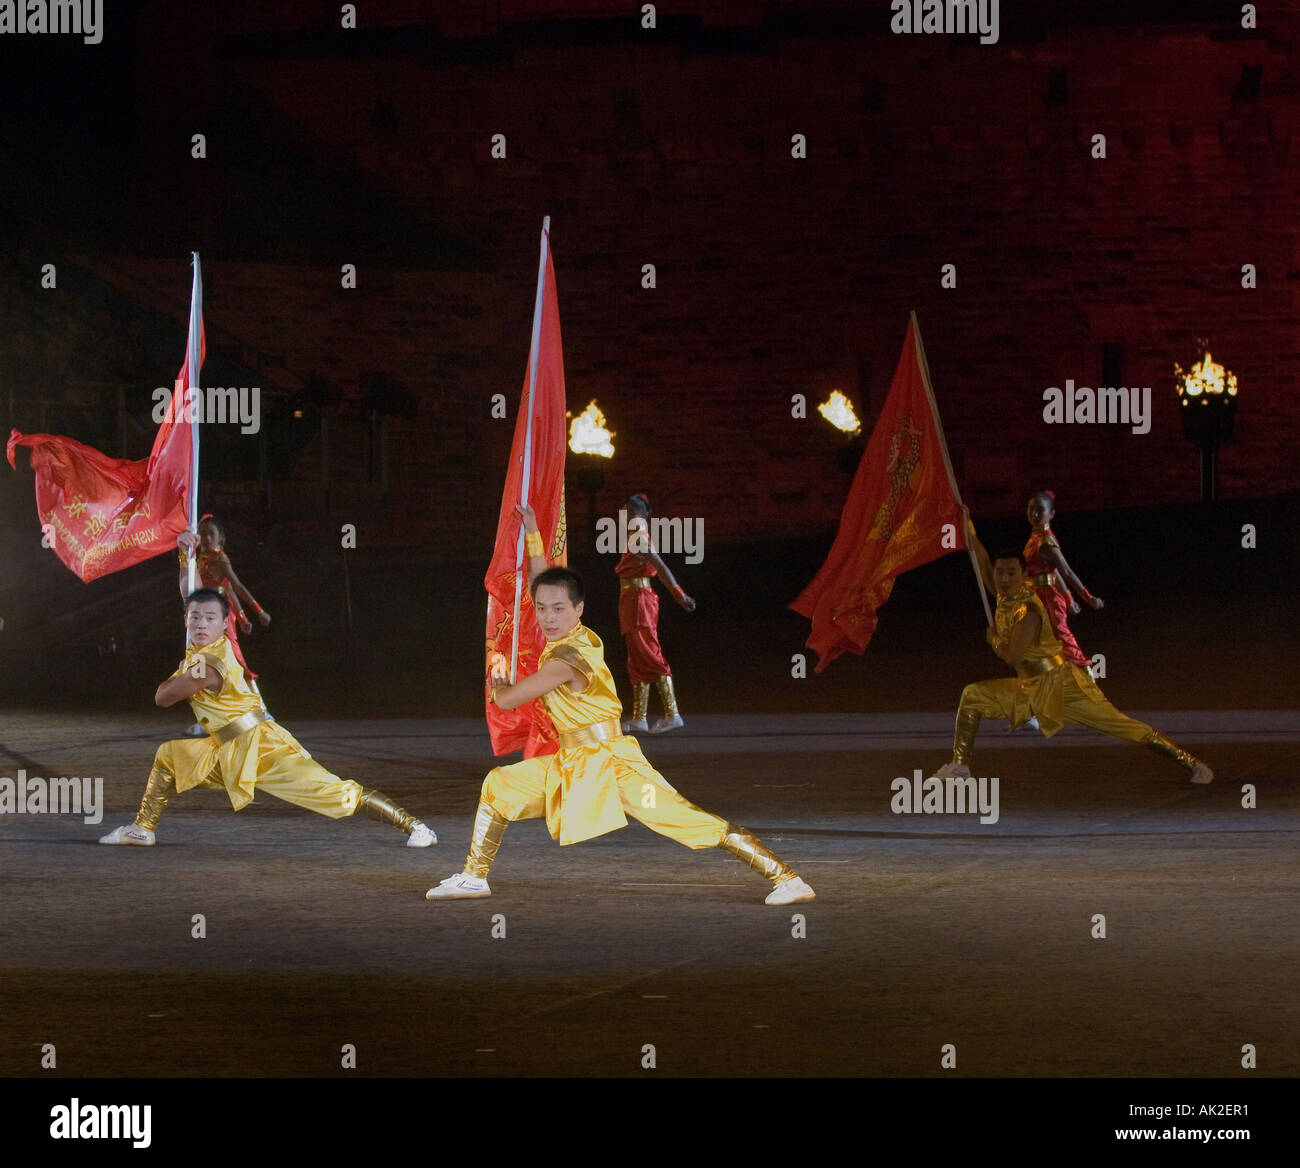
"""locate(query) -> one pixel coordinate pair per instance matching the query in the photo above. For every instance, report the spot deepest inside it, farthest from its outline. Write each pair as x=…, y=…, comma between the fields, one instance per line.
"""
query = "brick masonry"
x=776, y=276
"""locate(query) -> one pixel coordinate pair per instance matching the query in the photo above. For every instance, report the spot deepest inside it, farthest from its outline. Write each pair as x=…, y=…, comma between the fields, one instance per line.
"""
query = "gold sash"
x=632, y=583
x=1039, y=666
x=233, y=729
x=592, y=735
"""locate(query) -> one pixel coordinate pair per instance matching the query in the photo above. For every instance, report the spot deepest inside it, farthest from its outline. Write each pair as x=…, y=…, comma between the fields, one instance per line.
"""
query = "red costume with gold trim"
x=638, y=619
x=212, y=576
x=1051, y=590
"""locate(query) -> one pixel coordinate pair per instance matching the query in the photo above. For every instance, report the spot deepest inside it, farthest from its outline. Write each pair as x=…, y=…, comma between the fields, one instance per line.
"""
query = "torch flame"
x=589, y=435
x=1206, y=376
x=838, y=411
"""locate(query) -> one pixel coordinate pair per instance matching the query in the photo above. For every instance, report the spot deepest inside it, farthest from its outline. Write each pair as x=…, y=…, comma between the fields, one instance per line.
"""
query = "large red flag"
x=535, y=475
x=103, y=514
x=902, y=497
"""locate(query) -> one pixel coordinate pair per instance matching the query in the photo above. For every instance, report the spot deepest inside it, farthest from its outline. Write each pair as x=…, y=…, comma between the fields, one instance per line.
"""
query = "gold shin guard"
x=376, y=805
x=159, y=789
x=489, y=827
x=1166, y=749
x=963, y=735
x=744, y=846
x=666, y=695
x=640, y=701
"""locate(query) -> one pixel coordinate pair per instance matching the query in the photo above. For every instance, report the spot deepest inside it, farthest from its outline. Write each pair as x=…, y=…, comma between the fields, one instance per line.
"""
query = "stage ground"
x=927, y=929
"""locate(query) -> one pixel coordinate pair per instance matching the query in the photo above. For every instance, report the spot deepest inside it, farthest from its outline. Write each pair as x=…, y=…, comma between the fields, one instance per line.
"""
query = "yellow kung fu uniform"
x=598, y=777
x=1046, y=686
x=245, y=752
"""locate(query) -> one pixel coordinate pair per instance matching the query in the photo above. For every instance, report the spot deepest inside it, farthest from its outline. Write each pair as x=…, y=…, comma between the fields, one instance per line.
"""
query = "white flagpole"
x=528, y=443
x=943, y=446
x=193, y=390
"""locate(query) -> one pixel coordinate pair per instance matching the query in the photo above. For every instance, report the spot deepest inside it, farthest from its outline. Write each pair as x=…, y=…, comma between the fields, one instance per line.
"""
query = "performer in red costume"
x=638, y=621
x=1052, y=578
x=215, y=571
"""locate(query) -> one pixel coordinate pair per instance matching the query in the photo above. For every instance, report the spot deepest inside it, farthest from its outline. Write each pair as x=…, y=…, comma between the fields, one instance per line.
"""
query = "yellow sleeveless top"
x=213, y=708
x=1012, y=610
x=583, y=652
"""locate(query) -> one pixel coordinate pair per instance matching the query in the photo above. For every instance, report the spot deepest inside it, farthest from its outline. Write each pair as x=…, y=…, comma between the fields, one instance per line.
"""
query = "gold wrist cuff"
x=533, y=544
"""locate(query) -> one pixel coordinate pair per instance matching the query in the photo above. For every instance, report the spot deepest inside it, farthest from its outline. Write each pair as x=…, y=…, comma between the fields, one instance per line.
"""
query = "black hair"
x=203, y=595
x=1008, y=554
x=221, y=531
x=641, y=505
x=566, y=577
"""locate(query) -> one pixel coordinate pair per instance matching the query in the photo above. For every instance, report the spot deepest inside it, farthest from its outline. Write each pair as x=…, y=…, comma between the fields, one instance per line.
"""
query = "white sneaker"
x=952, y=770
x=422, y=836
x=1030, y=724
x=196, y=731
x=1202, y=774
x=665, y=724
x=459, y=887
x=132, y=833
x=635, y=725
x=790, y=892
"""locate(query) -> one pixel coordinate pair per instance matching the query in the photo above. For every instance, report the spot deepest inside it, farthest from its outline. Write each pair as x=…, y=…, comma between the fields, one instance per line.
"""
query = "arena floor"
x=927, y=930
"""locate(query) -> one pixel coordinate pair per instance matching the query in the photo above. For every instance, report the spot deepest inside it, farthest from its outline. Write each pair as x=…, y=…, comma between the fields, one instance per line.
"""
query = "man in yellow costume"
x=1046, y=685
x=598, y=776
x=245, y=750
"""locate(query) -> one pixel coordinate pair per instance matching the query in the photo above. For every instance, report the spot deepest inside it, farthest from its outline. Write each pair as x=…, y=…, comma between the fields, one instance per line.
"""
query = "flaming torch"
x=1207, y=399
x=589, y=435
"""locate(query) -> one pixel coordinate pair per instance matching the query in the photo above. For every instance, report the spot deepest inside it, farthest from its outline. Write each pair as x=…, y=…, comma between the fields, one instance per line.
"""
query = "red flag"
x=902, y=497
x=103, y=514
x=537, y=469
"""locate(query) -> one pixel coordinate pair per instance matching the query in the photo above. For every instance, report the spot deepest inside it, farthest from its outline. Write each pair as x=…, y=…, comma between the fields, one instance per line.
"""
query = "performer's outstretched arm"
x=185, y=683
x=187, y=542
x=237, y=588
x=1052, y=555
x=537, y=562
x=679, y=593
x=551, y=676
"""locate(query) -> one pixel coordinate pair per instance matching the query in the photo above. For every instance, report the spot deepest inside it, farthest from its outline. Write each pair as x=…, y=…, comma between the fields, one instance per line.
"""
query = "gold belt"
x=237, y=726
x=592, y=735
x=1039, y=666
x=633, y=582
x=1047, y=580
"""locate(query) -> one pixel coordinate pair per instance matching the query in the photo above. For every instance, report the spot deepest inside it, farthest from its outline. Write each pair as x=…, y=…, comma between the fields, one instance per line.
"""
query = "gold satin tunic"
x=590, y=787
x=1043, y=675
x=266, y=754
